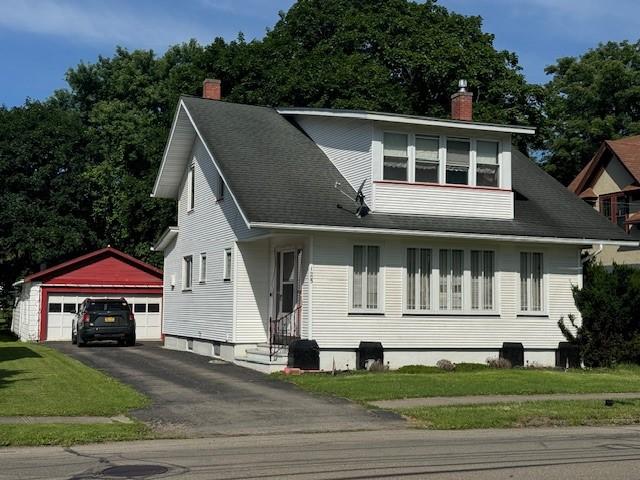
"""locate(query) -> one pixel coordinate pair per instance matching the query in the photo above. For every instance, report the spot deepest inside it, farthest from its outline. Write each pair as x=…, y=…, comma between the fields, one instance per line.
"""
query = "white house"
x=468, y=243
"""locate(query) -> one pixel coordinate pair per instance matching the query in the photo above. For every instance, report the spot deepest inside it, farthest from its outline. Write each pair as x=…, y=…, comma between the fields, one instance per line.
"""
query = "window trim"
x=202, y=272
x=412, y=133
x=543, y=312
x=227, y=269
x=466, y=310
x=191, y=187
x=186, y=260
x=380, y=283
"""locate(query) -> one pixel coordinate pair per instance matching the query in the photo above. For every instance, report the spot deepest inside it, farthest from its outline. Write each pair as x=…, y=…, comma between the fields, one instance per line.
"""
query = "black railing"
x=283, y=331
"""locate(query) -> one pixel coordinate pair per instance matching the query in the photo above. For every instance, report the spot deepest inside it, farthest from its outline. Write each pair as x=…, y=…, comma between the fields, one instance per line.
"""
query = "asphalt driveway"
x=198, y=396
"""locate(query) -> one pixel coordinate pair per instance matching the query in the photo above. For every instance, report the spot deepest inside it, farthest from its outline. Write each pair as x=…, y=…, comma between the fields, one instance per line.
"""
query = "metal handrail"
x=283, y=330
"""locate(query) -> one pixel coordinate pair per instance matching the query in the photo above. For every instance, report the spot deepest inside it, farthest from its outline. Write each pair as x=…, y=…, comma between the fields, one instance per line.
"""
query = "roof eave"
x=165, y=239
x=442, y=234
x=409, y=119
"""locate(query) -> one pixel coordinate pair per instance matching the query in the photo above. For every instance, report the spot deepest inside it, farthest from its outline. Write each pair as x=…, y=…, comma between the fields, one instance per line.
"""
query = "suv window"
x=100, y=306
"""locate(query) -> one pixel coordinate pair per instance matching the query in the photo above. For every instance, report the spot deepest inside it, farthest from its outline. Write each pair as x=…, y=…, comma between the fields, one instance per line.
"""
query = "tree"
x=590, y=99
x=608, y=303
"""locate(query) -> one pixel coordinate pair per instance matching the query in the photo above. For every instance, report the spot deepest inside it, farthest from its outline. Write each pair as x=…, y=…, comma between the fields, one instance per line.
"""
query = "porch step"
x=258, y=359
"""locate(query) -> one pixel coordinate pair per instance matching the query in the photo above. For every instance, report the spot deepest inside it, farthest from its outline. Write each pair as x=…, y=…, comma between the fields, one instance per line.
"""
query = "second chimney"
x=462, y=103
x=211, y=89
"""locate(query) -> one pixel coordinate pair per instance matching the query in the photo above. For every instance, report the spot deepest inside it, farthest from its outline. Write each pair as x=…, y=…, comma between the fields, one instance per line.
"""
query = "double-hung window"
x=427, y=159
x=365, y=291
x=531, y=282
x=187, y=272
x=482, y=279
x=458, y=155
x=451, y=266
x=487, y=164
x=396, y=156
x=418, y=280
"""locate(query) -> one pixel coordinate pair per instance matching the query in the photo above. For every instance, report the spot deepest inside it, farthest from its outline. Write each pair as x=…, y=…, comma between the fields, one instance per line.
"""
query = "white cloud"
x=264, y=9
x=99, y=22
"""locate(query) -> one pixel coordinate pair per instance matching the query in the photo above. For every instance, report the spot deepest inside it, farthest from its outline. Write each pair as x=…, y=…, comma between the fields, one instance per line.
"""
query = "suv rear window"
x=100, y=306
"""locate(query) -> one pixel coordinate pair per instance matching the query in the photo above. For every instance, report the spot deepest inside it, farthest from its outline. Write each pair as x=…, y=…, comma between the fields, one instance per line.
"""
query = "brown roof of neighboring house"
x=626, y=149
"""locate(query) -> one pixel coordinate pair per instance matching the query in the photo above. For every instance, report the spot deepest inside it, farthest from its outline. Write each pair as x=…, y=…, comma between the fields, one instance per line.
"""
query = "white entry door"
x=62, y=309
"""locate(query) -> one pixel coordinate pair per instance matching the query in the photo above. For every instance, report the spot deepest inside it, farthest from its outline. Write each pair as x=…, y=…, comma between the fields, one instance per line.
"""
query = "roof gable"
x=107, y=266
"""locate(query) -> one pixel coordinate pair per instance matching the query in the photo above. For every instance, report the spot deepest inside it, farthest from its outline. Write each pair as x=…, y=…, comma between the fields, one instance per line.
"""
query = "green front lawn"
x=38, y=381
x=526, y=414
x=364, y=387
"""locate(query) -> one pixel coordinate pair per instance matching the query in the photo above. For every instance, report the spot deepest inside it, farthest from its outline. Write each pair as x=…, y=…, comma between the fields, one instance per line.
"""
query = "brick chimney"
x=211, y=89
x=462, y=103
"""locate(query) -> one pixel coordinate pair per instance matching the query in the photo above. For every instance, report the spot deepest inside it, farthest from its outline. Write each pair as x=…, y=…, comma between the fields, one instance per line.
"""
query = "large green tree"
x=591, y=98
x=76, y=170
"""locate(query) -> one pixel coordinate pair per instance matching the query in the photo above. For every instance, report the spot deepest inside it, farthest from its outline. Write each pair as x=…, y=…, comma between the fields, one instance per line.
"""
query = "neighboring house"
x=611, y=183
x=468, y=244
x=47, y=301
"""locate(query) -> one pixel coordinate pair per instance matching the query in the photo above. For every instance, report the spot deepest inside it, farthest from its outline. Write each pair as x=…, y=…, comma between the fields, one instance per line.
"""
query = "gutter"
x=423, y=233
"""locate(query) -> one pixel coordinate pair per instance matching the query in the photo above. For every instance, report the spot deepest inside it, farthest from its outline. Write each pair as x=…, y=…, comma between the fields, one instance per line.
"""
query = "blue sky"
x=41, y=39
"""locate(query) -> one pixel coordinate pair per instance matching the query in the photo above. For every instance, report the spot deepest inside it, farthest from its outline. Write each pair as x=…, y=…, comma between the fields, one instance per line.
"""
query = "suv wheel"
x=74, y=339
x=81, y=341
x=131, y=341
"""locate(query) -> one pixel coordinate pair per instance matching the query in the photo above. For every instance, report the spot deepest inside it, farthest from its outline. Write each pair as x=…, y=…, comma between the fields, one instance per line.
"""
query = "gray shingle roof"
x=278, y=175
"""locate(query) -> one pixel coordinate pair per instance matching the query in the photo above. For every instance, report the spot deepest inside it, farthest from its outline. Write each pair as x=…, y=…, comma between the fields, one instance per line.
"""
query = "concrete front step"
x=258, y=358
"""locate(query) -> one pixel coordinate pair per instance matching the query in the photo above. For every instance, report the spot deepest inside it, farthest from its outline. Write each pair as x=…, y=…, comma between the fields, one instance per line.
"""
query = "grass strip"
x=70, y=434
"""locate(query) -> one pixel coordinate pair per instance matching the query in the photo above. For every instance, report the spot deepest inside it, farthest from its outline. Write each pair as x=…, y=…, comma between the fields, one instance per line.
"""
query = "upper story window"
x=226, y=273
x=487, y=163
x=396, y=156
x=191, y=188
x=458, y=161
x=615, y=207
x=409, y=157
x=203, y=267
x=187, y=272
x=427, y=159
x=221, y=188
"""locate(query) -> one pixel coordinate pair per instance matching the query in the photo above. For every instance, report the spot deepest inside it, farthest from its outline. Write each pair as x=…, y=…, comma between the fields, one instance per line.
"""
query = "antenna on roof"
x=362, y=210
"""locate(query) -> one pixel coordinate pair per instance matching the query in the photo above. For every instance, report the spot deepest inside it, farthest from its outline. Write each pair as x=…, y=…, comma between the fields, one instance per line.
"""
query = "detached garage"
x=48, y=300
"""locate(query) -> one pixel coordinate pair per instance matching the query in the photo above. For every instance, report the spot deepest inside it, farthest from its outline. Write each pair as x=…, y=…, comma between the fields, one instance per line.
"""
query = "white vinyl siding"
x=482, y=279
x=333, y=327
x=206, y=312
x=418, y=280
x=531, y=282
x=365, y=286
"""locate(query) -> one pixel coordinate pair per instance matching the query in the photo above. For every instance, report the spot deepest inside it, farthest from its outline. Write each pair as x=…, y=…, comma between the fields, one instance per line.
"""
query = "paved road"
x=194, y=397
x=584, y=453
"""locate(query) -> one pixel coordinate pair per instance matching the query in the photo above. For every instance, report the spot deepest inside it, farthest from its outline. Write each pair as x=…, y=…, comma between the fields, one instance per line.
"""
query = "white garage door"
x=62, y=309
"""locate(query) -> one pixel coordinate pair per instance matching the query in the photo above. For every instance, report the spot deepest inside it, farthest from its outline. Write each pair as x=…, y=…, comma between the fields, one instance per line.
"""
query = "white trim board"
x=422, y=233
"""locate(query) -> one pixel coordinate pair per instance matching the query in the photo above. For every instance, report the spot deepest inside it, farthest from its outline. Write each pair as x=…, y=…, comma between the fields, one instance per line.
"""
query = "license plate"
x=109, y=319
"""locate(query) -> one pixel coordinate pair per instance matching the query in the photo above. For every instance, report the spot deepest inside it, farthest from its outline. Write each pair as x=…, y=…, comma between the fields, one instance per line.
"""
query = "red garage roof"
x=107, y=266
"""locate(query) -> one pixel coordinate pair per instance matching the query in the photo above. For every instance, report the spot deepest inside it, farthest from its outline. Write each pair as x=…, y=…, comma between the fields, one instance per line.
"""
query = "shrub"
x=446, y=365
x=498, y=362
x=608, y=303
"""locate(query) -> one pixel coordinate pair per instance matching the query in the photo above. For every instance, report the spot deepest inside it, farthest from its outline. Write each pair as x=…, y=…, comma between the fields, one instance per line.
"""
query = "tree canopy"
x=590, y=99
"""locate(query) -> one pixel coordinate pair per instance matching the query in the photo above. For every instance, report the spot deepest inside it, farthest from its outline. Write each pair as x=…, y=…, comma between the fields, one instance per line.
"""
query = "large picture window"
x=366, y=270
x=531, y=282
x=418, y=279
x=396, y=156
x=451, y=265
x=482, y=279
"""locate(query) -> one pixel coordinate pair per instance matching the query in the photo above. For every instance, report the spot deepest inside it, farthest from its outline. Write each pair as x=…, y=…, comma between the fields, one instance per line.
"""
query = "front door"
x=286, y=324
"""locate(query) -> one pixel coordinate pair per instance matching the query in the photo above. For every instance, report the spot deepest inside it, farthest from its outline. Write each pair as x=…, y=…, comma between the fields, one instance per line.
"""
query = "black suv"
x=104, y=319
